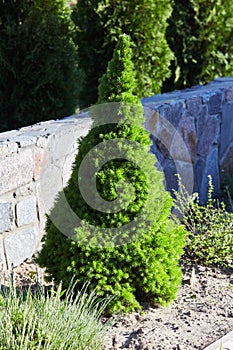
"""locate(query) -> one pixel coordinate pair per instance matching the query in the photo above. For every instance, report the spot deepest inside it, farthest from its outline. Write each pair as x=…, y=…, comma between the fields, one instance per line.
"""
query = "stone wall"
x=191, y=132
x=35, y=164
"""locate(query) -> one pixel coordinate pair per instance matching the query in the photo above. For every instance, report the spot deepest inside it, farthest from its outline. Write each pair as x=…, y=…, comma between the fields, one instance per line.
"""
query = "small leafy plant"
x=210, y=228
x=51, y=321
x=226, y=193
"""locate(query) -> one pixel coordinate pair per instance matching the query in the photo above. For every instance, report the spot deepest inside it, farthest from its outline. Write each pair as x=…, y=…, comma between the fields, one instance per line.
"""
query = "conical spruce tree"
x=125, y=243
x=39, y=77
x=200, y=33
x=98, y=26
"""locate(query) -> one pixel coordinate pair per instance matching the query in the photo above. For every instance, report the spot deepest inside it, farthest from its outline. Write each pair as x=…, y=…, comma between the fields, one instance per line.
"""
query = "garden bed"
x=202, y=313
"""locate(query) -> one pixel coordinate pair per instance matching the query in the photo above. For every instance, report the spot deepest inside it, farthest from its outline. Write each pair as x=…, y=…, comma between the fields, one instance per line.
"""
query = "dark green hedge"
x=38, y=62
x=200, y=33
x=98, y=26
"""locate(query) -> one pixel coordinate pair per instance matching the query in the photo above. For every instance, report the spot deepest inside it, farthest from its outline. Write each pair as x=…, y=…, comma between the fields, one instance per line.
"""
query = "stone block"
x=16, y=170
x=208, y=135
x=41, y=159
x=186, y=172
x=201, y=119
x=67, y=167
x=24, y=191
x=159, y=156
x=170, y=180
x=43, y=141
x=7, y=148
x=20, y=245
x=226, y=162
x=26, y=211
x=164, y=136
x=172, y=112
x=194, y=105
x=199, y=167
x=50, y=184
x=226, y=128
x=164, y=141
x=62, y=146
x=229, y=94
x=184, y=169
x=183, y=146
x=215, y=103
x=151, y=120
x=6, y=217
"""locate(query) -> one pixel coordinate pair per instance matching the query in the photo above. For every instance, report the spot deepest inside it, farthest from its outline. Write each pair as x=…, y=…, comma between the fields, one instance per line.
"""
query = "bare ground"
x=201, y=314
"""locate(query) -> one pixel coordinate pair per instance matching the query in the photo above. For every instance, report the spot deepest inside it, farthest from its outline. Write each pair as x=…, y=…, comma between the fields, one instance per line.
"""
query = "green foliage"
x=210, y=229
x=38, y=62
x=98, y=26
x=226, y=193
x=200, y=33
x=132, y=250
x=45, y=321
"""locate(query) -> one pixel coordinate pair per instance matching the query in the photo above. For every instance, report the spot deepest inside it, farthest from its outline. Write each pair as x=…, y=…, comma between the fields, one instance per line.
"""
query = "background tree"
x=200, y=33
x=98, y=26
x=38, y=62
x=131, y=251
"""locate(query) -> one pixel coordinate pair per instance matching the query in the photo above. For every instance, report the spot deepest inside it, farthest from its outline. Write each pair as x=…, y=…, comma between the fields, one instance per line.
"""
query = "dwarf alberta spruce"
x=126, y=244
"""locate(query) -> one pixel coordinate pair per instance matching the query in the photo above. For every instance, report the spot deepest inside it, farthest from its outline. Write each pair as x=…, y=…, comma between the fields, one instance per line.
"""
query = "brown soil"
x=201, y=314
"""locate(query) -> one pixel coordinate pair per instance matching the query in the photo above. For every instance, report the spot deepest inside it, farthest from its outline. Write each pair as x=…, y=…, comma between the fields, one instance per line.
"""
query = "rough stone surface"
x=227, y=127
x=24, y=191
x=6, y=217
x=26, y=211
x=7, y=148
x=227, y=161
x=229, y=94
x=191, y=133
x=199, y=168
x=20, y=245
x=41, y=158
x=193, y=105
x=203, y=119
x=35, y=163
x=187, y=131
x=208, y=135
x=215, y=103
x=16, y=170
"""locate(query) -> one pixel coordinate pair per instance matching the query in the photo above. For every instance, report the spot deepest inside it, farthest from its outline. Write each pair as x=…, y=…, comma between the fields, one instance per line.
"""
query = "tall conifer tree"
x=200, y=33
x=39, y=78
x=98, y=26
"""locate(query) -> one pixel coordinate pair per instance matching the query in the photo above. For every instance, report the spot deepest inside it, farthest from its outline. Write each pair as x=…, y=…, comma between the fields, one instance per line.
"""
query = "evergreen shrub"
x=98, y=26
x=126, y=245
x=39, y=78
x=200, y=34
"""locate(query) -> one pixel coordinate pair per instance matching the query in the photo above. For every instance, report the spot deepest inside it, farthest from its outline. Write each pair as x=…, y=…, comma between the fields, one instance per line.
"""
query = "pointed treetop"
x=118, y=83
